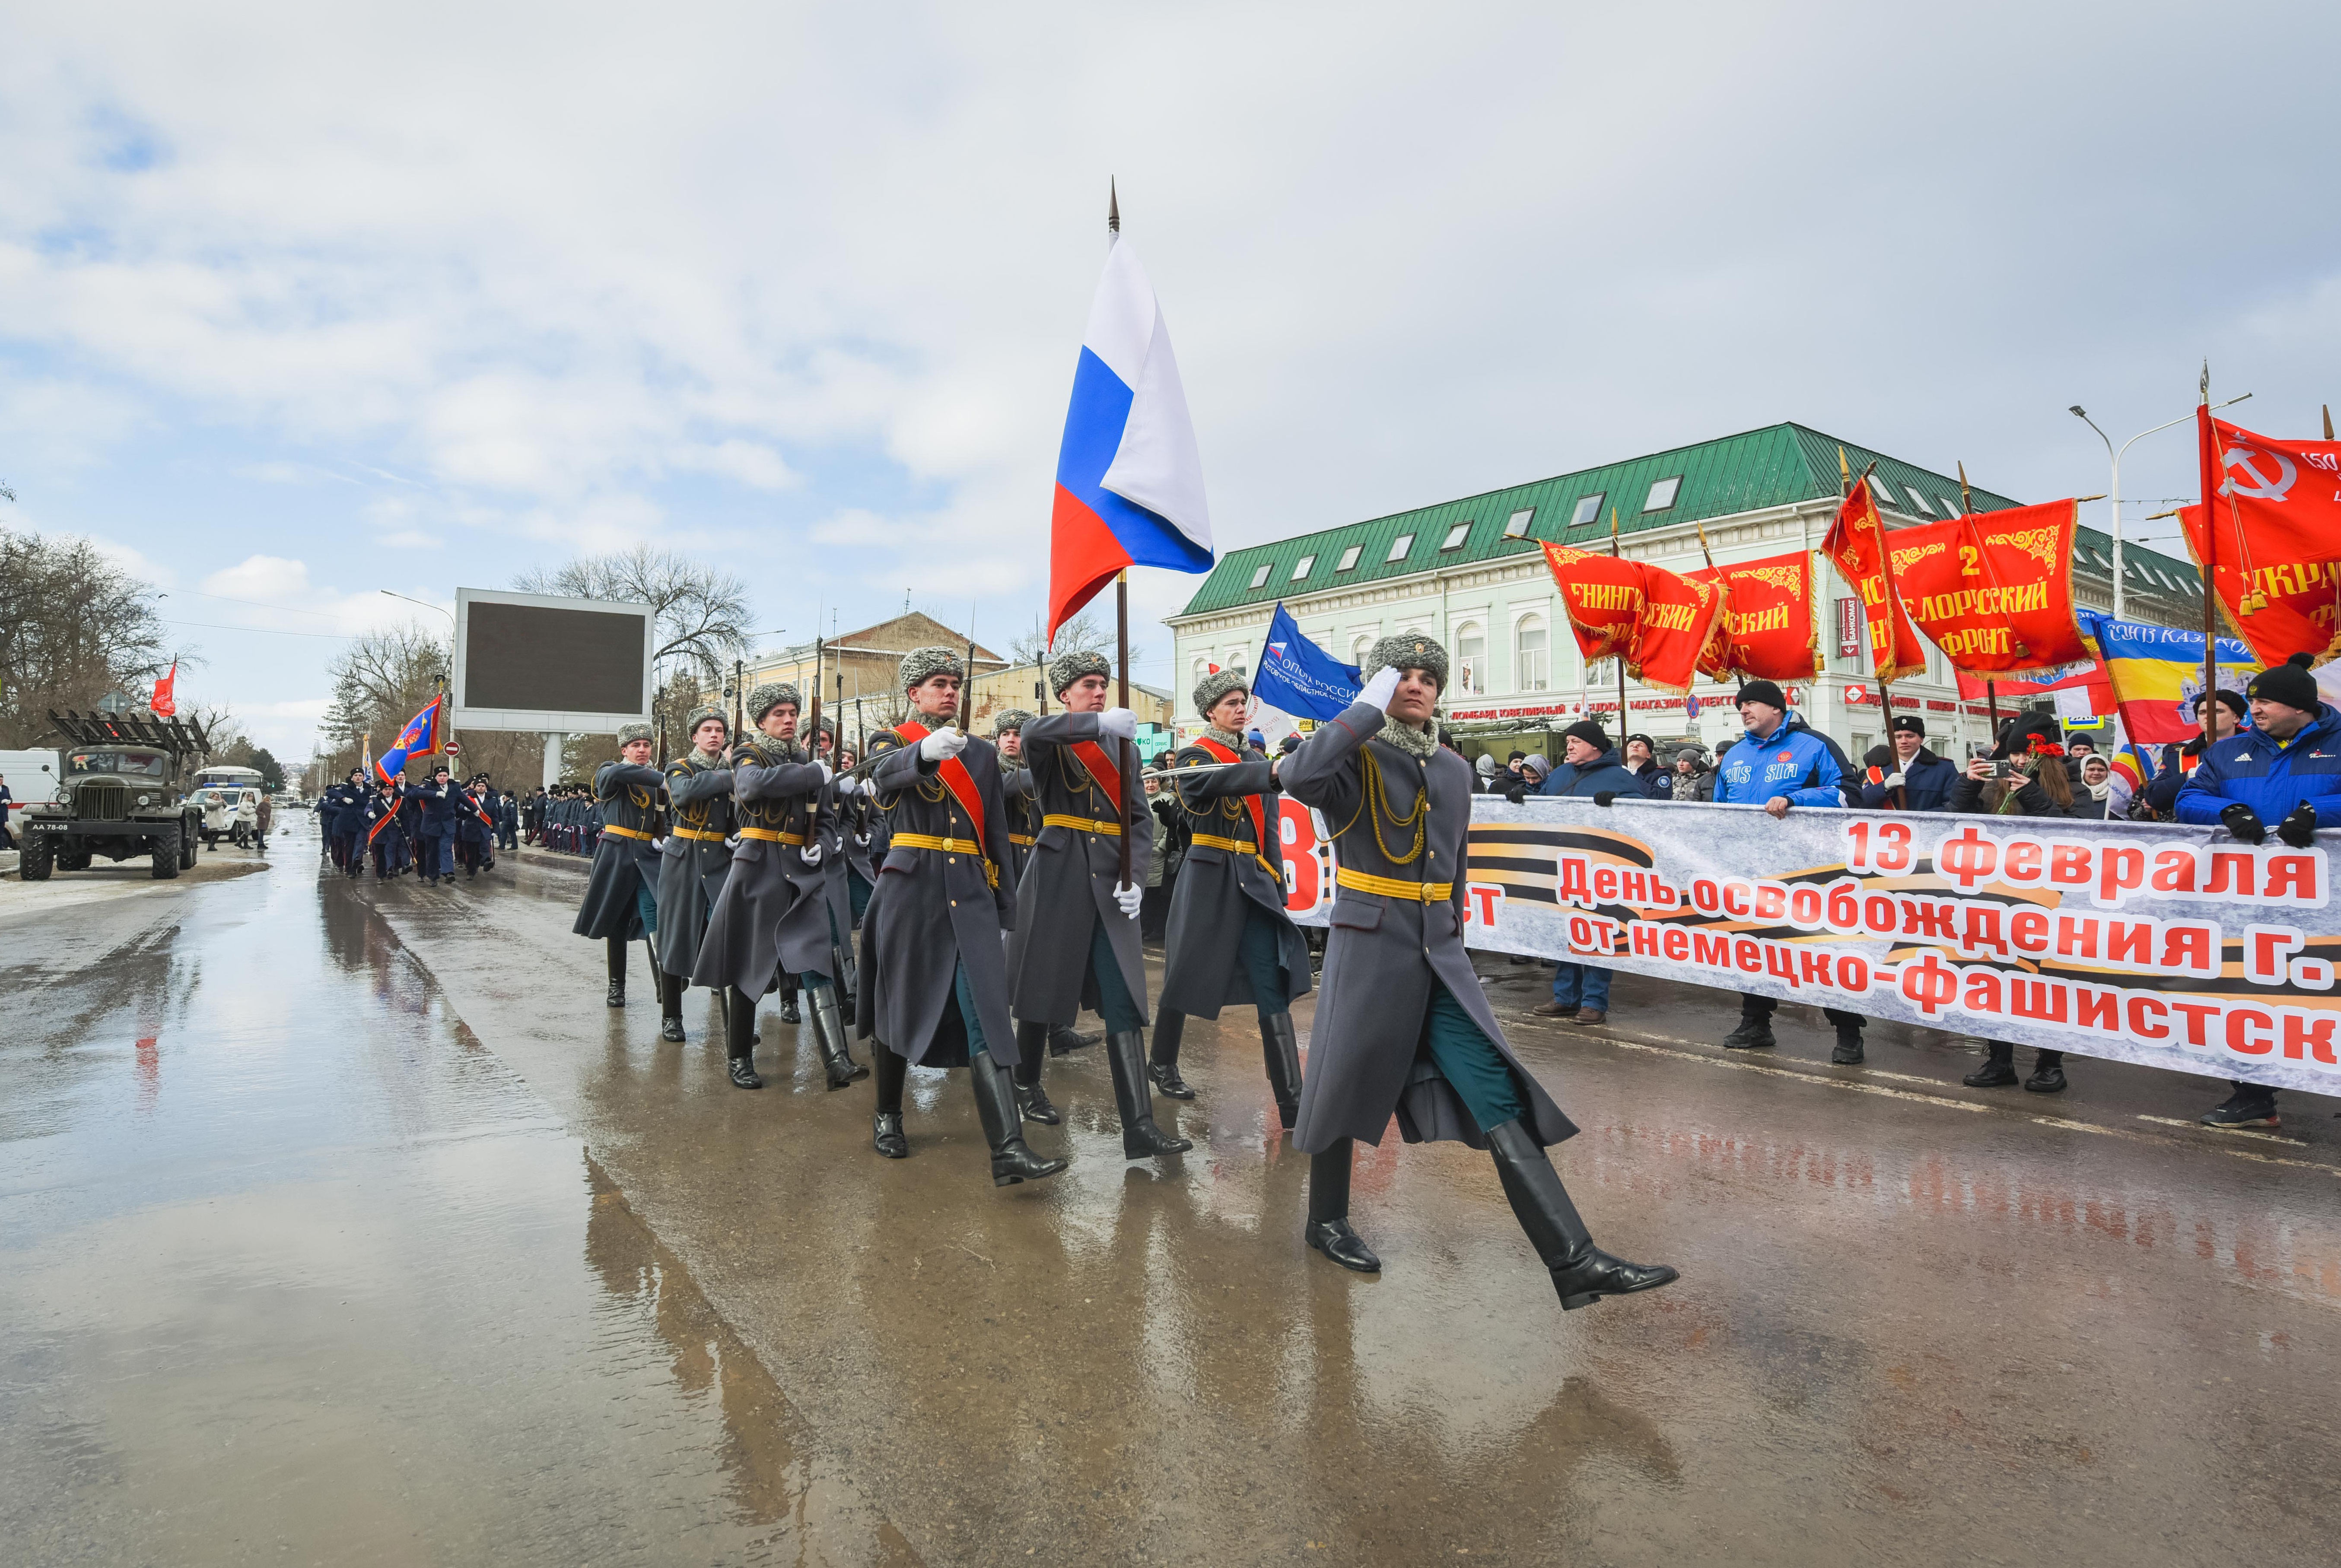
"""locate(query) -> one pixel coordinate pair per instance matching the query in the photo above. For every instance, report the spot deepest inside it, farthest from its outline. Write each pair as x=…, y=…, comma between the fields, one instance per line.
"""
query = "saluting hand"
x=1380, y=689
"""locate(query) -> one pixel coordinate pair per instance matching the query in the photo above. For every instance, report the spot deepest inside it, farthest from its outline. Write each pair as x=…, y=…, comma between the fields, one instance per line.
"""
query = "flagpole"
x=2205, y=472
x=1129, y=749
x=1621, y=656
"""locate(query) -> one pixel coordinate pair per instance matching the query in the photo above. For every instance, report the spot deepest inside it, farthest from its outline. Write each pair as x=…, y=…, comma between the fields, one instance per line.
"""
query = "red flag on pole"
x=165, y=701
x=1765, y=629
x=1856, y=547
x=1678, y=617
x=1602, y=596
x=1995, y=589
x=2272, y=544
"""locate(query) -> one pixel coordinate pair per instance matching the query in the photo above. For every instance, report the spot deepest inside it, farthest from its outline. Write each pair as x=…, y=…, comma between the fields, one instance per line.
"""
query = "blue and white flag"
x=1300, y=677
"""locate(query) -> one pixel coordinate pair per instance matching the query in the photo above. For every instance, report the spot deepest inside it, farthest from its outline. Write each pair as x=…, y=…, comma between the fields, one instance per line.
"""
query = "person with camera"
x=2284, y=769
x=1906, y=776
x=1589, y=769
x=2023, y=777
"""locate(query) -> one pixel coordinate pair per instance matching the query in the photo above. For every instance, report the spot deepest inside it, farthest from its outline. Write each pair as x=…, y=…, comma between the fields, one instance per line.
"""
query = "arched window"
x=1202, y=668
x=1532, y=655
x=1471, y=660
x=1360, y=645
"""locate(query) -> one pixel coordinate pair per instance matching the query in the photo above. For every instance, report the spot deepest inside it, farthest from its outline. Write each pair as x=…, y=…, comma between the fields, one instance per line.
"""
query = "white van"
x=32, y=781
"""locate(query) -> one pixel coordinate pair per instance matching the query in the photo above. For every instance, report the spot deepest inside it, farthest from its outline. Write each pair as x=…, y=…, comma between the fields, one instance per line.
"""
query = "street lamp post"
x=2113, y=492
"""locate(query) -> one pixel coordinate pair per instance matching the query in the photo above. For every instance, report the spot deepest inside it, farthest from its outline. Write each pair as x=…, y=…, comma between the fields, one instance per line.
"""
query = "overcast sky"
x=298, y=303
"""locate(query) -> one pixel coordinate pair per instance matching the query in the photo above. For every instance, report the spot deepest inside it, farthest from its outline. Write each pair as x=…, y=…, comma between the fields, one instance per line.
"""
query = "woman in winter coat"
x=2033, y=745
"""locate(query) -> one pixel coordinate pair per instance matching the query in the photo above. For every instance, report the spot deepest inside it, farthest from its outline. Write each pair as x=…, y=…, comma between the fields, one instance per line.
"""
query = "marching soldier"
x=1403, y=1025
x=695, y=859
x=772, y=914
x=1229, y=940
x=1076, y=941
x=1023, y=832
x=620, y=901
x=934, y=978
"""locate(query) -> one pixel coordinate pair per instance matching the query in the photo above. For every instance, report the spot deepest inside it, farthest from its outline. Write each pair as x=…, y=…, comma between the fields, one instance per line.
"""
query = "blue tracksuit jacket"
x=2271, y=777
x=1794, y=760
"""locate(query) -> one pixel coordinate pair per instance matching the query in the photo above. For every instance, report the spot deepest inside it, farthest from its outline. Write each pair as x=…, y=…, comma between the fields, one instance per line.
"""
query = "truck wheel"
x=186, y=850
x=166, y=853
x=34, y=866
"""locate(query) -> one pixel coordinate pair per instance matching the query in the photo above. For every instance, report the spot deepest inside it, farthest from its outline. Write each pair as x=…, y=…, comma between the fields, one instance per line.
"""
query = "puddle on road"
x=289, y=1263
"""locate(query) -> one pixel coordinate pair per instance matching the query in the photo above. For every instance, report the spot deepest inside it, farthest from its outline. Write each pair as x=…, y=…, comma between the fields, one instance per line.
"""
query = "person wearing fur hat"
x=1229, y=940
x=1023, y=832
x=935, y=972
x=772, y=915
x=2282, y=775
x=1076, y=942
x=620, y=901
x=2032, y=782
x=1403, y=1025
x=695, y=858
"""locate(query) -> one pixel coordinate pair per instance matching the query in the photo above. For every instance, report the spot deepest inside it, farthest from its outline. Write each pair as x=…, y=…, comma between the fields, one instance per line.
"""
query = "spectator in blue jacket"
x=1641, y=759
x=2227, y=716
x=1779, y=764
x=2285, y=769
x=1909, y=776
x=1590, y=770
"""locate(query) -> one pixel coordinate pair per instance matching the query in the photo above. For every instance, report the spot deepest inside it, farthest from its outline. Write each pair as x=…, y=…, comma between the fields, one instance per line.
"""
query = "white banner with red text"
x=2171, y=945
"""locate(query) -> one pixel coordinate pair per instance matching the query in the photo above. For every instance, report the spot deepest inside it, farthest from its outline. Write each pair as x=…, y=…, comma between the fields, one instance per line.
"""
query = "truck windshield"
x=142, y=764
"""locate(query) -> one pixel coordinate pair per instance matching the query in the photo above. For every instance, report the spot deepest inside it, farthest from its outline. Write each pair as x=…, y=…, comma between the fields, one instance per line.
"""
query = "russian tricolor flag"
x=1129, y=483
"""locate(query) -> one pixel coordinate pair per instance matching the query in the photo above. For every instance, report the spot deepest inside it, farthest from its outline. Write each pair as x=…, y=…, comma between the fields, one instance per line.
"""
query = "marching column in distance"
x=1023, y=832
x=1403, y=1025
x=1076, y=942
x=695, y=859
x=772, y=914
x=934, y=981
x=620, y=903
x=1229, y=940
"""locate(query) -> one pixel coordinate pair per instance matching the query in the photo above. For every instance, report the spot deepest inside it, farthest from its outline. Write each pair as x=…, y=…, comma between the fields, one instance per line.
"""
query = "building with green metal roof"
x=1471, y=573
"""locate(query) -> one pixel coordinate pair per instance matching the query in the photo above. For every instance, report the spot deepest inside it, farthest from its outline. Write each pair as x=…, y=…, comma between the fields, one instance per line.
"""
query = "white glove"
x=812, y=853
x=1120, y=722
x=942, y=743
x=1895, y=782
x=826, y=774
x=849, y=785
x=1380, y=689
x=862, y=840
x=1128, y=897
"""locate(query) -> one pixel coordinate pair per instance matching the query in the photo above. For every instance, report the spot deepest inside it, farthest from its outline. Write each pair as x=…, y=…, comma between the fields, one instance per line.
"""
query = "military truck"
x=119, y=795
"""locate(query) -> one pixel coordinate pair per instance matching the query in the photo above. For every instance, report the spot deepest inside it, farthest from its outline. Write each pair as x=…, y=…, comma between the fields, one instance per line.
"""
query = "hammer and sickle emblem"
x=2251, y=481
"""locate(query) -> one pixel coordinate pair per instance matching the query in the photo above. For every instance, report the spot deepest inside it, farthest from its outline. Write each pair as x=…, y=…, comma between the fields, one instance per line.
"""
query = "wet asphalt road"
x=345, y=1223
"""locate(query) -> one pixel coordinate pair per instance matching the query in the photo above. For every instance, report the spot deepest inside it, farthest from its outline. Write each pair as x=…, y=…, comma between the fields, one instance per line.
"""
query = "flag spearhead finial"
x=1112, y=207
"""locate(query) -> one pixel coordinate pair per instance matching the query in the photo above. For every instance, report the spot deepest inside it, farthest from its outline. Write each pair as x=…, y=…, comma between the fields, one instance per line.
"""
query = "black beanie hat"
x=2228, y=701
x=2018, y=734
x=1765, y=692
x=1592, y=734
x=1910, y=721
x=2289, y=683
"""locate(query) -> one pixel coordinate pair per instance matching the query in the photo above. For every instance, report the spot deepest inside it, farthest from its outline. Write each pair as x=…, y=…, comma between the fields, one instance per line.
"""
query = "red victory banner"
x=1679, y=615
x=2281, y=609
x=2275, y=537
x=1602, y=596
x=1994, y=589
x=1856, y=547
x=1765, y=629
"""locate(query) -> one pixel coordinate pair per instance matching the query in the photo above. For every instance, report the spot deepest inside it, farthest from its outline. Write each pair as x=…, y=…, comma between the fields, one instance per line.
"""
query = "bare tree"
x=1084, y=633
x=702, y=611
x=74, y=626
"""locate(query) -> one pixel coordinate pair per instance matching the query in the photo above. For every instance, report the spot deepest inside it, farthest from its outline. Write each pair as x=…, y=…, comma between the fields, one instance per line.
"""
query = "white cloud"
x=409, y=539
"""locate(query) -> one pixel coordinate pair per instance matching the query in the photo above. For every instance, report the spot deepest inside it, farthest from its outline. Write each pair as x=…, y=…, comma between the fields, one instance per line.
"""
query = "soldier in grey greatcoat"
x=1229, y=940
x=696, y=857
x=621, y=902
x=772, y=914
x=1076, y=942
x=1403, y=1025
x=934, y=981
x=1023, y=832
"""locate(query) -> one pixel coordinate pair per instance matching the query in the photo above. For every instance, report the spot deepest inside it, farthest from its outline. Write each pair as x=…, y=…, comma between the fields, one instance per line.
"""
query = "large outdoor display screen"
x=525, y=661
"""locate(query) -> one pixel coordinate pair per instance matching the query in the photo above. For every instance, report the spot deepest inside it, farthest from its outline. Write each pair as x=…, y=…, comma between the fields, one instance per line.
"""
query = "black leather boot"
x=1134, y=1098
x=1031, y=1099
x=1582, y=1273
x=886, y=1127
x=670, y=1006
x=1064, y=1040
x=1013, y=1160
x=739, y=1040
x=1999, y=1069
x=1329, y=1211
x=789, y=1011
x=828, y=1035
x=1281, y=1048
x=1163, y=1069
x=1846, y=1053
x=617, y=949
x=2047, y=1073
x=1755, y=1031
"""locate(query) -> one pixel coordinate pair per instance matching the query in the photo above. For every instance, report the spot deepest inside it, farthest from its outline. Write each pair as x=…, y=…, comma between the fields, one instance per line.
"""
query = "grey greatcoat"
x=1024, y=820
x=1366, y=1058
x=934, y=911
x=694, y=860
x=773, y=912
x=1217, y=886
x=625, y=858
x=1068, y=884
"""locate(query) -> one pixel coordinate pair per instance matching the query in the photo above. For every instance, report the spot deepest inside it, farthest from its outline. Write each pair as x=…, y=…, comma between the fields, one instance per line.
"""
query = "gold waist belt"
x=695, y=833
x=1239, y=847
x=1391, y=888
x=624, y=832
x=772, y=836
x=1081, y=824
x=1023, y=838
x=951, y=846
